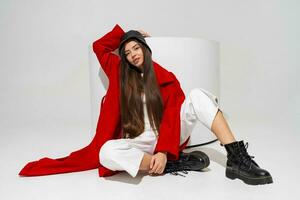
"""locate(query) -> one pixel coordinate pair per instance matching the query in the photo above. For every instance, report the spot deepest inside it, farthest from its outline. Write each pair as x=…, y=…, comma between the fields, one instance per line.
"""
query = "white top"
x=146, y=118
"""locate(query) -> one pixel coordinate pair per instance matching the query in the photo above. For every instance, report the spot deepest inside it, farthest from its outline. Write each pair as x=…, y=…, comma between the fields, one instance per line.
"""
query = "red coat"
x=108, y=126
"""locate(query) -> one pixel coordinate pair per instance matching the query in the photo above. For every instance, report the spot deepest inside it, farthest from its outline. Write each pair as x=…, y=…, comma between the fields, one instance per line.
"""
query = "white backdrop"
x=45, y=96
x=44, y=59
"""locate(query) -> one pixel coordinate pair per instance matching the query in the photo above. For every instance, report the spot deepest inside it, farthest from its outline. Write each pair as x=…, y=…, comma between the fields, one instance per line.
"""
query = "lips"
x=136, y=60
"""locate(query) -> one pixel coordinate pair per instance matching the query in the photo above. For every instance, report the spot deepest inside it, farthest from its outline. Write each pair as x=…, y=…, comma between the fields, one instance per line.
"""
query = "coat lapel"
x=162, y=75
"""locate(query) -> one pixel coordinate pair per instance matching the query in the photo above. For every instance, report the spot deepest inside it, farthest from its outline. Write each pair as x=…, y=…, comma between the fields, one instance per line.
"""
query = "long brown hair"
x=132, y=85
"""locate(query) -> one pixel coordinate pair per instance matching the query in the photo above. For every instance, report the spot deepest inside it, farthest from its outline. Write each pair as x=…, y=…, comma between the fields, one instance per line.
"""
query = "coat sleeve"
x=169, y=130
x=104, y=48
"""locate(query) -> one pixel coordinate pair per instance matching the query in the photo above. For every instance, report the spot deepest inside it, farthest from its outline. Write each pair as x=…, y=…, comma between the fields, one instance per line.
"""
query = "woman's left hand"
x=158, y=163
x=144, y=33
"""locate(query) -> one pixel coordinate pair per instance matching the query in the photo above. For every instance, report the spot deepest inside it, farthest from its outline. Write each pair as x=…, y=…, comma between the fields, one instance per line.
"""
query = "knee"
x=197, y=94
x=195, y=91
x=107, y=152
x=203, y=96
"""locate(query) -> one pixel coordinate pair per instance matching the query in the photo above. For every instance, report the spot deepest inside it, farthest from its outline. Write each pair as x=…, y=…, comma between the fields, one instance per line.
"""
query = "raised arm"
x=104, y=48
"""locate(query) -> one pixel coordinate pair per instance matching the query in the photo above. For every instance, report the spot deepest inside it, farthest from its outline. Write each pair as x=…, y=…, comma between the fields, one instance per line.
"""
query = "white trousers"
x=127, y=154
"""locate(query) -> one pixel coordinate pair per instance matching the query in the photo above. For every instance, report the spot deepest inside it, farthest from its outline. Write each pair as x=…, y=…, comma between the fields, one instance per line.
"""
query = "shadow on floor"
x=214, y=155
x=126, y=178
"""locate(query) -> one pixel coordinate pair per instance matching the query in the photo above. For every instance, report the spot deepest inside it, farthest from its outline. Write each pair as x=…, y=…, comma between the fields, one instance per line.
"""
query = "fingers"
x=152, y=162
x=159, y=169
x=156, y=168
x=145, y=34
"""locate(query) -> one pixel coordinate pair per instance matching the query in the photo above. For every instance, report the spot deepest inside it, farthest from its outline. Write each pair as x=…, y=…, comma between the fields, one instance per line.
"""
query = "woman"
x=126, y=138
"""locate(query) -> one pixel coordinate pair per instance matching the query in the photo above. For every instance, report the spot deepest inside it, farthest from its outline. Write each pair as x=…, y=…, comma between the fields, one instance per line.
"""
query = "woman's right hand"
x=144, y=33
x=158, y=163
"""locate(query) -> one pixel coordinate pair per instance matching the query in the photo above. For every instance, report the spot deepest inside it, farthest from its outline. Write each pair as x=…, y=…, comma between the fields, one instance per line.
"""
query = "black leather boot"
x=240, y=165
x=193, y=161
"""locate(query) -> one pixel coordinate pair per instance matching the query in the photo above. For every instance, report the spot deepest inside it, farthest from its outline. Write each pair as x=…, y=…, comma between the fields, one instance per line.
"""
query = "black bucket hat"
x=132, y=34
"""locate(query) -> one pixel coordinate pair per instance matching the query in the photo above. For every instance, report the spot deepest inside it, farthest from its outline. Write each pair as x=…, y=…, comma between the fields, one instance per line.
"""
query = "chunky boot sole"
x=201, y=155
x=248, y=180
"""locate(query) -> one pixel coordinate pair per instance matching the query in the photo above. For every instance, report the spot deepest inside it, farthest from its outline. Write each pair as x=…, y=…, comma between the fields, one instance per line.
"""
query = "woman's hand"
x=158, y=163
x=145, y=34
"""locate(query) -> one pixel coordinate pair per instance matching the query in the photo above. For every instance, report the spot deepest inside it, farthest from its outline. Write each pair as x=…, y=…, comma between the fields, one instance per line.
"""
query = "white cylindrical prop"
x=194, y=61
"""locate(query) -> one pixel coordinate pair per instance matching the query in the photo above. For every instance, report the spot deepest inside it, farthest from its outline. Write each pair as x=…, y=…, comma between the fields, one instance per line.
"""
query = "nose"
x=133, y=55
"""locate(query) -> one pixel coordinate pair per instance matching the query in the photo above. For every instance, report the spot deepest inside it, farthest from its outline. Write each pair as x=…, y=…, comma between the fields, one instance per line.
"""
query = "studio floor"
x=275, y=149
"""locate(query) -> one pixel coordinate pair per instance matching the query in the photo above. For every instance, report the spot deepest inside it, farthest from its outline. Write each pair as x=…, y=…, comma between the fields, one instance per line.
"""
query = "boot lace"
x=245, y=157
x=176, y=173
x=174, y=168
x=177, y=168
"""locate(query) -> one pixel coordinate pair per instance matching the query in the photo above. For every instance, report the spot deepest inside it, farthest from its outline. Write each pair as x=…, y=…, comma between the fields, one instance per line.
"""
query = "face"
x=134, y=54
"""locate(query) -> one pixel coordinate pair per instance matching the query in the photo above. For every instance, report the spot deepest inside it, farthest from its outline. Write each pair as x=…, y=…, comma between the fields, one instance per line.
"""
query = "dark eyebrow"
x=132, y=47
